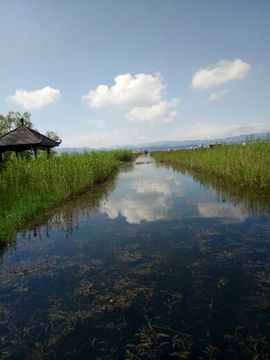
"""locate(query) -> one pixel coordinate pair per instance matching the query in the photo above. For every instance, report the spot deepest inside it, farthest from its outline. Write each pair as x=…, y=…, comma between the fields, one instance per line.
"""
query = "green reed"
x=29, y=186
x=244, y=165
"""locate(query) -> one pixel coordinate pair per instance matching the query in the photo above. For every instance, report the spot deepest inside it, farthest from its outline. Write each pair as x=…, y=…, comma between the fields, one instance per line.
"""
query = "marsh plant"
x=244, y=165
x=29, y=186
x=83, y=285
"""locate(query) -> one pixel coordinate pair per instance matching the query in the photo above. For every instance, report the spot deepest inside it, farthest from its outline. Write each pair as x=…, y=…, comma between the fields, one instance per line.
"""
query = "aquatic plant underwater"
x=182, y=287
x=139, y=300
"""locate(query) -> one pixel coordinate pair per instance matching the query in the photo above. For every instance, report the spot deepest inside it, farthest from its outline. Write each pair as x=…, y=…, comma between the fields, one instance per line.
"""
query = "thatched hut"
x=23, y=138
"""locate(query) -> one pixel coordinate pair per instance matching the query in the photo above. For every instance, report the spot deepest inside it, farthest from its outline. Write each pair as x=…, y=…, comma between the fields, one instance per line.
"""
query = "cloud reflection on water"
x=228, y=211
x=146, y=198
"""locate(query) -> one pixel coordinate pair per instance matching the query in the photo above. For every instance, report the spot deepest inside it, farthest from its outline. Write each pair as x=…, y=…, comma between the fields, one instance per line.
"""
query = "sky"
x=105, y=73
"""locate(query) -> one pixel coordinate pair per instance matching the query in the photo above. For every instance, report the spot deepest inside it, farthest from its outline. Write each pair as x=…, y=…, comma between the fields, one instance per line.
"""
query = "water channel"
x=157, y=263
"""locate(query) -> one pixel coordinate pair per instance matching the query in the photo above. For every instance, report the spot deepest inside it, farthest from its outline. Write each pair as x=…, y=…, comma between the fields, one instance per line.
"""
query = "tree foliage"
x=12, y=120
x=52, y=135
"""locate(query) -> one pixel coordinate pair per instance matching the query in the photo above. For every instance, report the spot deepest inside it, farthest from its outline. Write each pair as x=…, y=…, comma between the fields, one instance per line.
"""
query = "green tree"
x=12, y=120
x=52, y=135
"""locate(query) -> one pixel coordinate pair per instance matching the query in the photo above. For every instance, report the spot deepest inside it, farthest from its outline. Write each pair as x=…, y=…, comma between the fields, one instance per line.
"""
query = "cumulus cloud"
x=220, y=73
x=128, y=90
x=35, y=99
x=143, y=96
x=217, y=95
x=162, y=112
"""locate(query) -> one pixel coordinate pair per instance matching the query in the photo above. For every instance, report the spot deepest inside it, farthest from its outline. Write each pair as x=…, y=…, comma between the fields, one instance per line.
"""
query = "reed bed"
x=244, y=165
x=29, y=186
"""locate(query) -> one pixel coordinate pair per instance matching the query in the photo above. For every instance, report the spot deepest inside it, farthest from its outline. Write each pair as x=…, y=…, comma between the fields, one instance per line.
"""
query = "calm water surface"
x=152, y=265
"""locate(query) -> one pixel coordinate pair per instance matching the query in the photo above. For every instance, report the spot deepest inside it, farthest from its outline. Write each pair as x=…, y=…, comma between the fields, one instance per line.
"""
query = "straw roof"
x=23, y=138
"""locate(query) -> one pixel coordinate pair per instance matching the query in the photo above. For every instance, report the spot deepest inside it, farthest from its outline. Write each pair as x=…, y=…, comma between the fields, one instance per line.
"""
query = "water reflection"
x=66, y=218
x=152, y=266
x=143, y=195
x=251, y=200
x=227, y=211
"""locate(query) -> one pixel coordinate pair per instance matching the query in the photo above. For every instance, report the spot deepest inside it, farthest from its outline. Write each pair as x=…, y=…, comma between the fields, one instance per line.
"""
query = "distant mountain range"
x=189, y=143
x=162, y=145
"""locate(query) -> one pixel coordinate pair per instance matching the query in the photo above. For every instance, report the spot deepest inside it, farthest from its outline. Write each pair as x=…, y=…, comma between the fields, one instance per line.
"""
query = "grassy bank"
x=244, y=165
x=29, y=186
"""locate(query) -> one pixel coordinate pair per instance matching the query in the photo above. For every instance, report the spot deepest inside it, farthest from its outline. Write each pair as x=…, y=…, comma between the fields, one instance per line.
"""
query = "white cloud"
x=217, y=95
x=142, y=95
x=35, y=99
x=162, y=112
x=128, y=90
x=220, y=73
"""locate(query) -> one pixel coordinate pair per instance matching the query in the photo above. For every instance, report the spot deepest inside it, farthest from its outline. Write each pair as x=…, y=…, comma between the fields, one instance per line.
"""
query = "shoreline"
x=41, y=184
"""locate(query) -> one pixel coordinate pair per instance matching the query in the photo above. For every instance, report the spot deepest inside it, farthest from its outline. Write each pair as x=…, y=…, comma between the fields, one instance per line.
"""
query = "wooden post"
x=35, y=152
x=48, y=153
x=1, y=157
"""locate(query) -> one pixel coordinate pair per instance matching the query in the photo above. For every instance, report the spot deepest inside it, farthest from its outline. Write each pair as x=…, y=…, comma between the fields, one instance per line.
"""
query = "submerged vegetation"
x=245, y=165
x=82, y=284
x=129, y=297
x=29, y=186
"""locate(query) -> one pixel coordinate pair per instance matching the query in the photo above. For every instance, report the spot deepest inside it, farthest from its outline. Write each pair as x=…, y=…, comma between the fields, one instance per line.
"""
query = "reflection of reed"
x=65, y=216
x=253, y=201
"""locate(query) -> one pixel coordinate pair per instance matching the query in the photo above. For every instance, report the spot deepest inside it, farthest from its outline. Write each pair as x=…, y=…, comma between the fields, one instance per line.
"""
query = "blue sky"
x=103, y=73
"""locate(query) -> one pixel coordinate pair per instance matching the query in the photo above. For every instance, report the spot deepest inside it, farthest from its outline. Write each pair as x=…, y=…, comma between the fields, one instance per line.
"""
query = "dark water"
x=156, y=264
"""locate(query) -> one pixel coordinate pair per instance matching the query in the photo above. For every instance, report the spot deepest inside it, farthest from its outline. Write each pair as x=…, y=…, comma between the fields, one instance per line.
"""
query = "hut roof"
x=23, y=137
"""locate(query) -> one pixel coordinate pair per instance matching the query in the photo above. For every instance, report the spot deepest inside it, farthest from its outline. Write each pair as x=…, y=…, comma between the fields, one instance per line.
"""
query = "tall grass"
x=29, y=186
x=244, y=165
